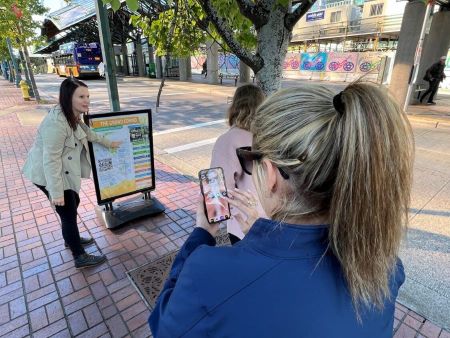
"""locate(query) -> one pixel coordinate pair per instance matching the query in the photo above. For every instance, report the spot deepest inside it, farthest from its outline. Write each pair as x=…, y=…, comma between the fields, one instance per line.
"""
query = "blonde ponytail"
x=355, y=168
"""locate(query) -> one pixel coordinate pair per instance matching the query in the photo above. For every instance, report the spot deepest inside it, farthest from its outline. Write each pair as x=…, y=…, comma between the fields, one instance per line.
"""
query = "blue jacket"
x=277, y=282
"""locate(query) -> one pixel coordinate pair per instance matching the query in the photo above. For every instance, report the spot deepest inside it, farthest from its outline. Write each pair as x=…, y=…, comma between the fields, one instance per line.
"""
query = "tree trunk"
x=273, y=40
x=125, y=68
x=140, y=57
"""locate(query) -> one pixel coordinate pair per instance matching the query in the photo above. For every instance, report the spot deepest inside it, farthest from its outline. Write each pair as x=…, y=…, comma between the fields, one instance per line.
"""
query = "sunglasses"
x=246, y=157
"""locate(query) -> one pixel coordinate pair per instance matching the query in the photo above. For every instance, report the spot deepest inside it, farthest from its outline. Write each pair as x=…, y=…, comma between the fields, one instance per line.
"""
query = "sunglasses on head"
x=246, y=157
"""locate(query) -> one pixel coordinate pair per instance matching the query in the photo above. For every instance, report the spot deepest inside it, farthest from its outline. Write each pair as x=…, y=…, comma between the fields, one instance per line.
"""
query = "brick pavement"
x=43, y=295
x=11, y=96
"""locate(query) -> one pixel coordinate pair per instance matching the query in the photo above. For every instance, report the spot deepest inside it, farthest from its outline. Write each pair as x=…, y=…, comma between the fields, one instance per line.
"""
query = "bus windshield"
x=88, y=56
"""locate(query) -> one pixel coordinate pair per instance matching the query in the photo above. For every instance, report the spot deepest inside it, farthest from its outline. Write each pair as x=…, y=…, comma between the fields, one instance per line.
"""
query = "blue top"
x=279, y=281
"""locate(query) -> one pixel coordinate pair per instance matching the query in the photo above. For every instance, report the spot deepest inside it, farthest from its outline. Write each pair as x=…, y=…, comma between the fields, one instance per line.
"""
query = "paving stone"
x=99, y=302
x=77, y=322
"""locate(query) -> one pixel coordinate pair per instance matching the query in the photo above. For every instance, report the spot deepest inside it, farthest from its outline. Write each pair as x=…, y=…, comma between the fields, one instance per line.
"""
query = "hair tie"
x=339, y=104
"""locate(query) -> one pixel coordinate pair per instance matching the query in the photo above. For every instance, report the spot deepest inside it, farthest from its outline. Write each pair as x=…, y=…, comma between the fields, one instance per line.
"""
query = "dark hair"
x=68, y=87
x=245, y=101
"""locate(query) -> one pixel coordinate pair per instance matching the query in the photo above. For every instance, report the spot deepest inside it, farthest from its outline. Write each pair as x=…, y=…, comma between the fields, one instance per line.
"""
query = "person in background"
x=333, y=174
x=434, y=75
x=240, y=116
x=59, y=158
x=205, y=68
x=101, y=69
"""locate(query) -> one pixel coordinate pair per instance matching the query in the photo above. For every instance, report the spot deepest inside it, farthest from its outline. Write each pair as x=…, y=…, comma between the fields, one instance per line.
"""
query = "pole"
x=33, y=82
x=415, y=67
x=108, y=55
x=14, y=62
x=27, y=71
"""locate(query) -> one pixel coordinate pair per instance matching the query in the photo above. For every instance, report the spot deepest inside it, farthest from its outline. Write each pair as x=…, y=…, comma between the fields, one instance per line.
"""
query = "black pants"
x=68, y=215
x=433, y=88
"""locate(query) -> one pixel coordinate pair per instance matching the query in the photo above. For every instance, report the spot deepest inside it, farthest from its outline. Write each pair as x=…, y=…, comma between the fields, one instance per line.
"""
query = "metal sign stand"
x=117, y=214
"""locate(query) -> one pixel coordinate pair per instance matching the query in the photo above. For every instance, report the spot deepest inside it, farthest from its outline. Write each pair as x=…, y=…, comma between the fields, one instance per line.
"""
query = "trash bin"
x=152, y=69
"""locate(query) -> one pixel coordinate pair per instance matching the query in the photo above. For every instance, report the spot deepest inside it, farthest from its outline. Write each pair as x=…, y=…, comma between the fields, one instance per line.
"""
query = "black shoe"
x=85, y=260
x=83, y=241
x=432, y=103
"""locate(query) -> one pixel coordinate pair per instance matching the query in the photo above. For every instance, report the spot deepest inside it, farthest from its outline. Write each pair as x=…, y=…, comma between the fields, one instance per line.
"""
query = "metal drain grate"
x=149, y=278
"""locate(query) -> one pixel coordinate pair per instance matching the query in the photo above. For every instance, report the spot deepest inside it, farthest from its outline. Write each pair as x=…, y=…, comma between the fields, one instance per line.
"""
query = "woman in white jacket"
x=59, y=158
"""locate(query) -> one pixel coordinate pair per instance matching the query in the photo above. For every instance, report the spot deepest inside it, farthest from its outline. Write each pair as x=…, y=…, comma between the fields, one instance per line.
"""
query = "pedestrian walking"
x=240, y=116
x=434, y=75
x=59, y=158
x=205, y=68
x=333, y=174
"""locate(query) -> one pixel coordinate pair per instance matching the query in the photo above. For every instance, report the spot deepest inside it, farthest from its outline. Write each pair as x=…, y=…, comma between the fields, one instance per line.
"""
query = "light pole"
x=108, y=54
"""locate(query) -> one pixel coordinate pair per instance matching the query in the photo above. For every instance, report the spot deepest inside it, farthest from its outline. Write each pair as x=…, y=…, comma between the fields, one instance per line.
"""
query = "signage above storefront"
x=320, y=15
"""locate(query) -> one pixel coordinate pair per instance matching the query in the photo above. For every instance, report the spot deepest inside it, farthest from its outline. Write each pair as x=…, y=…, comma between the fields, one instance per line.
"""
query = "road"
x=185, y=126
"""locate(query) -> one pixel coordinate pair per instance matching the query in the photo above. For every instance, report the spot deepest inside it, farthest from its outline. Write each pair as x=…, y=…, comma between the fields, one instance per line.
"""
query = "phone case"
x=203, y=193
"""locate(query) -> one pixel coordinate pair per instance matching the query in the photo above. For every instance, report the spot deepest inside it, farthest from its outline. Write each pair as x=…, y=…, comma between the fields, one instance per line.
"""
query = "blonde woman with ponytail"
x=333, y=174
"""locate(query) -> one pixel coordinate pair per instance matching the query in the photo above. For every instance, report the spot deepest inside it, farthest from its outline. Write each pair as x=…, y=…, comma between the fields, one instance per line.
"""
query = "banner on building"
x=369, y=62
x=342, y=62
x=319, y=15
x=197, y=62
x=292, y=61
x=228, y=63
x=315, y=62
x=130, y=168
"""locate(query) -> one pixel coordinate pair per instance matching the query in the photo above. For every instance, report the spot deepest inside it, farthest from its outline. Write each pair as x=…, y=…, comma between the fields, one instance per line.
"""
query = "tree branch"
x=255, y=13
x=292, y=18
x=255, y=62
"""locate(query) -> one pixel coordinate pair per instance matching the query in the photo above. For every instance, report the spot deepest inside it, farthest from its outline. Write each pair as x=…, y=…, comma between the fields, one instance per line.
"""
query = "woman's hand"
x=115, y=144
x=202, y=222
x=58, y=201
x=246, y=202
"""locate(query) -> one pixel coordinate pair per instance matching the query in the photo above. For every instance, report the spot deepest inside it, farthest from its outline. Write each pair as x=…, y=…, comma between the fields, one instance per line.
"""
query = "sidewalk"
x=43, y=295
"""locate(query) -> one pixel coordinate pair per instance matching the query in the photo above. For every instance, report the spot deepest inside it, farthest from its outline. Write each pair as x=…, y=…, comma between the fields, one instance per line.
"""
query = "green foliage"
x=133, y=5
x=187, y=34
x=10, y=25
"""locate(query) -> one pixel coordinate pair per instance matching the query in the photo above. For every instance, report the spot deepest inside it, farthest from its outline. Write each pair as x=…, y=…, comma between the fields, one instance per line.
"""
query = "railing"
x=374, y=25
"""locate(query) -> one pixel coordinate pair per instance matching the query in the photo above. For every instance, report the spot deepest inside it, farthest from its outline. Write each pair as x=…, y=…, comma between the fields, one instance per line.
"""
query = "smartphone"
x=214, y=191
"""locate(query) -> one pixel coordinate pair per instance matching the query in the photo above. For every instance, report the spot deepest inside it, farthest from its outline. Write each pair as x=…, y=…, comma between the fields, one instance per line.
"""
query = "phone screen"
x=212, y=182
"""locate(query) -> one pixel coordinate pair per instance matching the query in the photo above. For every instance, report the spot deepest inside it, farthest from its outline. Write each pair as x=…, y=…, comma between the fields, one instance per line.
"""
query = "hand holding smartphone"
x=214, y=191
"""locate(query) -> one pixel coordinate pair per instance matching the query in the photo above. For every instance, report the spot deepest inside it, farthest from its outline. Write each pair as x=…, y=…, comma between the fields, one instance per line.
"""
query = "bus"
x=77, y=59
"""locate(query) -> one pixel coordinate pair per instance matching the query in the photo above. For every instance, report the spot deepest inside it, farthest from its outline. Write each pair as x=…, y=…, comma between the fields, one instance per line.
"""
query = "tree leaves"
x=133, y=5
x=115, y=5
x=9, y=22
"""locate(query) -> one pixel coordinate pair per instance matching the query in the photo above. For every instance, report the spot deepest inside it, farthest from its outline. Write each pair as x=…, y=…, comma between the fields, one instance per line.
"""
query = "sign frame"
x=89, y=117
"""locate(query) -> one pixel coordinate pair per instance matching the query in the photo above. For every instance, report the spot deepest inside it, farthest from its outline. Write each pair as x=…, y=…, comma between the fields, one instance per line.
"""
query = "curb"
x=439, y=120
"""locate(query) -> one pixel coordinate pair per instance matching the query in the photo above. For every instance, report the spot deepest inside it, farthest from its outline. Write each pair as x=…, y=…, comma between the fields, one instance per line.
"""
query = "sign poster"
x=128, y=169
x=313, y=16
x=342, y=62
x=369, y=62
x=292, y=61
x=313, y=61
